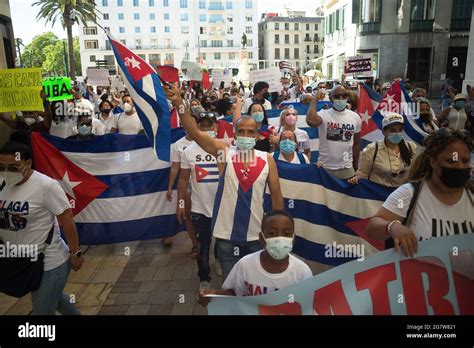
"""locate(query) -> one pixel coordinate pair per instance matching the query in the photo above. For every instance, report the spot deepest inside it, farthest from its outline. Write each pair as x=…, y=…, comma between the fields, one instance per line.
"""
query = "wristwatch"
x=77, y=253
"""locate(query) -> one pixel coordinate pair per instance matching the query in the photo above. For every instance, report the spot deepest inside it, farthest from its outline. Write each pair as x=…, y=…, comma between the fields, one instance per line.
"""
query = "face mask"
x=425, y=116
x=290, y=120
x=212, y=134
x=287, y=146
x=29, y=121
x=127, y=107
x=339, y=105
x=459, y=104
x=244, y=143
x=11, y=179
x=278, y=247
x=40, y=119
x=454, y=177
x=265, y=95
x=258, y=116
x=85, y=130
x=106, y=111
x=78, y=100
x=286, y=86
x=395, y=138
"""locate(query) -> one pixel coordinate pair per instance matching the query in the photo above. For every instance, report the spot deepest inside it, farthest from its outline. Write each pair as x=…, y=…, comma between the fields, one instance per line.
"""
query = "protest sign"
x=57, y=88
x=98, y=77
x=358, y=66
x=117, y=84
x=20, y=90
x=439, y=280
x=219, y=75
x=270, y=75
x=191, y=70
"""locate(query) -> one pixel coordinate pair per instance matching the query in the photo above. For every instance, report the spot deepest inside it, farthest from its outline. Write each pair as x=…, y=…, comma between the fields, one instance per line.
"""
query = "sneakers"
x=218, y=268
x=204, y=286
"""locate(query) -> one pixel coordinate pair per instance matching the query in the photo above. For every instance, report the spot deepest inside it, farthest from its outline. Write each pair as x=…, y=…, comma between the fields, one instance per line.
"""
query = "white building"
x=165, y=32
x=294, y=38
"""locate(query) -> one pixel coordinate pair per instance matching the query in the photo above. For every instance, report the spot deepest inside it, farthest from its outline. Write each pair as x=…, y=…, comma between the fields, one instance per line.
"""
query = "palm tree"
x=68, y=12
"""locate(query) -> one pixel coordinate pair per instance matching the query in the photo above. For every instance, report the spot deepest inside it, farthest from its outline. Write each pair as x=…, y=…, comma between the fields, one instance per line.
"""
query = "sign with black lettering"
x=20, y=90
x=57, y=88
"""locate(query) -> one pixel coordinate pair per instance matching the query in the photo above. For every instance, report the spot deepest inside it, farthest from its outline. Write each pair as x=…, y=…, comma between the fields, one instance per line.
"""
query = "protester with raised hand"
x=439, y=198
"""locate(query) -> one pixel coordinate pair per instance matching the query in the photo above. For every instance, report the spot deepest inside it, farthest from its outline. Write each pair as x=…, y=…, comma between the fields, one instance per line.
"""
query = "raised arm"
x=238, y=106
x=312, y=117
x=274, y=184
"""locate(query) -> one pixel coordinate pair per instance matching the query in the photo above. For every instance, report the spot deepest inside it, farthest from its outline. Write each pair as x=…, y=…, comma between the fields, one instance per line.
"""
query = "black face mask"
x=425, y=117
x=265, y=95
x=454, y=177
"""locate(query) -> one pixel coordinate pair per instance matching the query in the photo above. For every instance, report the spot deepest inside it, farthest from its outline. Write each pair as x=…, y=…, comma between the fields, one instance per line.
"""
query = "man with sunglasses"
x=339, y=134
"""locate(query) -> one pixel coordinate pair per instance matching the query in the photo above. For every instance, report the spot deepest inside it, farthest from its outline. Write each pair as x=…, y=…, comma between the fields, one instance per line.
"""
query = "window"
x=250, y=55
x=167, y=43
x=166, y=3
x=316, y=38
x=248, y=18
x=92, y=59
x=91, y=44
x=186, y=56
x=122, y=30
x=202, y=4
x=216, y=18
x=124, y=42
x=249, y=42
x=297, y=53
x=248, y=3
x=183, y=3
x=217, y=43
x=137, y=30
x=287, y=26
x=287, y=53
x=138, y=44
x=307, y=38
x=277, y=26
x=202, y=17
x=248, y=30
x=185, y=30
x=370, y=11
x=461, y=15
x=152, y=16
x=153, y=43
x=307, y=49
x=202, y=30
x=307, y=26
x=423, y=10
x=203, y=43
x=90, y=31
x=202, y=56
x=153, y=30
x=316, y=49
x=151, y=3
x=297, y=39
x=105, y=3
x=232, y=55
x=184, y=17
x=287, y=39
x=167, y=16
x=136, y=16
x=216, y=5
x=338, y=21
x=277, y=39
x=230, y=43
x=277, y=53
x=119, y=2
x=297, y=26
x=316, y=25
x=154, y=59
x=230, y=31
x=106, y=16
x=107, y=29
x=169, y=58
x=230, y=18
x=136, y=3
x=121, y=16
x=167, y=29
x=228, y=5
x=217, y=56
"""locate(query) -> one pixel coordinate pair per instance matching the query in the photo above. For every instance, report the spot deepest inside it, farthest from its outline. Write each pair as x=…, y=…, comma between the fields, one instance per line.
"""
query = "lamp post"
x=65, y=58
x=19, y=43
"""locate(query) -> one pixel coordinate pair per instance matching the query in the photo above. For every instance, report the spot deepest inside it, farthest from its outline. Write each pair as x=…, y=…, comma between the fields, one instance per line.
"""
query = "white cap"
x=391, y=119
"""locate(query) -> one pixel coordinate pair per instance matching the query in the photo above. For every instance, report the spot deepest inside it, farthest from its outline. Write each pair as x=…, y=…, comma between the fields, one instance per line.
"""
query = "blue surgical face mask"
x=395, y=138
x=339, y=104
x=258, y=116
x=244, y=143
x=212, y=134
x=459, y=104
x=85, y=130
x=278, y=247
x=287, y=146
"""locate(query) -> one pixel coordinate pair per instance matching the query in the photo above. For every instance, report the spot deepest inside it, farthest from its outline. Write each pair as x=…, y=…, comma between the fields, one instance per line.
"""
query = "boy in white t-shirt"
x=267, y=270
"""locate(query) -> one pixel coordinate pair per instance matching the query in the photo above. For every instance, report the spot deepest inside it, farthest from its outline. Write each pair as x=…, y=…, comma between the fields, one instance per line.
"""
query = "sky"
x=22, y=12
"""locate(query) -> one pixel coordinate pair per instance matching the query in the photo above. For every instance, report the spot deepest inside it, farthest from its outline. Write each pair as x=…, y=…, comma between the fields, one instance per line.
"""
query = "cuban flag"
x=148, y=96
x=115, y=184
x=369, y=101
x=330, y=215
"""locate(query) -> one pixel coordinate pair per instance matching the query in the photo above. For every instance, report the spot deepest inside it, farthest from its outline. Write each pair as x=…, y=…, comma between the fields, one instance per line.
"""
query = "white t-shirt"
x=204, y=178
x=107, y=124
x=295, y=160
x=302, y=139
x=336, y=137
x=129, y=124
x=83, y=107
x=178, y=148
x=249, y=101
x=63, y=129
x=248, y=278
x=431, y=218
x=27, y=213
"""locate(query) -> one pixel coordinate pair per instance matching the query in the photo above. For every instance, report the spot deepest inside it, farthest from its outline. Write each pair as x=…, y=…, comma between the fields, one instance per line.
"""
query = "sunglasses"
x=207, y=114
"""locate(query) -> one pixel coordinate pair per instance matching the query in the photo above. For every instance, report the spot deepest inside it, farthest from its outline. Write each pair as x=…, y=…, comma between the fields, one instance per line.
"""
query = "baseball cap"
x=460, y=96
x=391, y=119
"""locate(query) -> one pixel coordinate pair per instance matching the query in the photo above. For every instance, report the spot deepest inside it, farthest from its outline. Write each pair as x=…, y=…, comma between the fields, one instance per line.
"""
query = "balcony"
x=214, y=7
x=369, y=28
x=217, y=33
x=216, y=21
x=460, y=24
x=307, y=39
x=421, y=25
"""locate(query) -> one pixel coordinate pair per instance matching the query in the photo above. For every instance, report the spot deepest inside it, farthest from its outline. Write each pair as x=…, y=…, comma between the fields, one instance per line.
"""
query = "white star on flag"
x=69, y=185
x=390, y=98
x=365, y=116
x=133, y=62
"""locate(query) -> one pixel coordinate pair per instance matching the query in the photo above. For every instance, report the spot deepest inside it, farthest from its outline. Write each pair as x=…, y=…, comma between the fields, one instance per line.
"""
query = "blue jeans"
x=229, y=252
x=202, y=228
x=50, y=296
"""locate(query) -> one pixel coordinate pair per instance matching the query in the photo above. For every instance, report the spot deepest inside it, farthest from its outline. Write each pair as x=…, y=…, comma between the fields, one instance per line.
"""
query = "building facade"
x=423, y=40
x=166, y=32
x=7, y=40
x=294, y=38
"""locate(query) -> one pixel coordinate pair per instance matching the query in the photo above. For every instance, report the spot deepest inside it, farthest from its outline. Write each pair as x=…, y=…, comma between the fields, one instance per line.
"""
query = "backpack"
x=276, y=154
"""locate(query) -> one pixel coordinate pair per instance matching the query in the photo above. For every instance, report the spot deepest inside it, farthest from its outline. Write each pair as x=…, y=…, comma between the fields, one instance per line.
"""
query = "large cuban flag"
x=148, y=96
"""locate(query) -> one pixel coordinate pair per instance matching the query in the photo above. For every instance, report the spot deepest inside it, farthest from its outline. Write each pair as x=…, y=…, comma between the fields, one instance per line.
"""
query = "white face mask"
x=10, y=178
x=127, y=107
x=278, y=247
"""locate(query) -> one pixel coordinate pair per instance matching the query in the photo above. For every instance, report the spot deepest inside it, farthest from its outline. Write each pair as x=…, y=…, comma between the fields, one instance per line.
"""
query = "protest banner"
x=117, y=84
x=438, y=280
x=98, y=77
x=192, y=70
x=270, y=75
x=20, y=90
x=219, y=75
x=57, y=88
x=359, y=66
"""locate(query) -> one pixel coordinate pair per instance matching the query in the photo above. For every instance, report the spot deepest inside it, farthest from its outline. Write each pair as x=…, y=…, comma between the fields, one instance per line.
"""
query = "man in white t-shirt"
x=201, y=167
x=260, y=93
x=269, y=270
x=82, y=106
x=339, y=134
x=128, y=121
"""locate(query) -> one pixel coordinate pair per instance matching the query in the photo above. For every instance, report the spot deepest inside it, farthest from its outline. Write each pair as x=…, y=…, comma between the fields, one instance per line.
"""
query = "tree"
x=69, y=12
x=34, y=53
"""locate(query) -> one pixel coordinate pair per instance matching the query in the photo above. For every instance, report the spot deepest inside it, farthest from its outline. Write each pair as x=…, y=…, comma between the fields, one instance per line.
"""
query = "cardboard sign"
x=191, y=70
x=20, y=90
x=98, y=77
x=358, y=66
x=117, y=85
x=219, y=75
x=57, y=88
x=272, y=76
